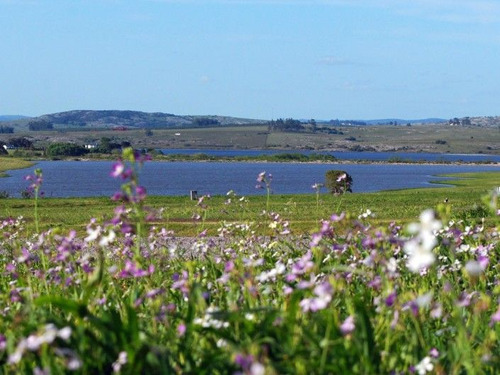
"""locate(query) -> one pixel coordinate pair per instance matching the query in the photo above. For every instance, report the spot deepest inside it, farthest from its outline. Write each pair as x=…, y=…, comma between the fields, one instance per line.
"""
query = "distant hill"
x=11, y=117
x=129, y=119
x=482, y=121
x=99, y=119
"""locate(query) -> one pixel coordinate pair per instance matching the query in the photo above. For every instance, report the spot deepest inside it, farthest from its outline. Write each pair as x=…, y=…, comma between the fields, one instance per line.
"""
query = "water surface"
x=91, y=178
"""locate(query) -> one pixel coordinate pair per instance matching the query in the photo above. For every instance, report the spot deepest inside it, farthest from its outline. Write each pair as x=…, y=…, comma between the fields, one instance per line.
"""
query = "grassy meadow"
x=7, y=164
x=265, y=285
x=304, y=212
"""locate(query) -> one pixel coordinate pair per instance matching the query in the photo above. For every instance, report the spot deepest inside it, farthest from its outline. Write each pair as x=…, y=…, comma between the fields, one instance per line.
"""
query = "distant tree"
x=205, y=121
x=314, y=125
x=148, y=132
x=21, y=142
x=65, y=149
x=338, y=182
x=286, y=125
x=6, y=129
x=106, y=145
x=40, y=125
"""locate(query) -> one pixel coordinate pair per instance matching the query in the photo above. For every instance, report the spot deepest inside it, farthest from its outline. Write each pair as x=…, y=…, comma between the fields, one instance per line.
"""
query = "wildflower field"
x=356, y=296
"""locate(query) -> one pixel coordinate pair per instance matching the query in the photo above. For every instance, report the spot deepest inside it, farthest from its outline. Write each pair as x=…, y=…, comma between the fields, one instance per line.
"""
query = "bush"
x=65, y=149
x=21, y=142
x=4, y=194
x=338, y=182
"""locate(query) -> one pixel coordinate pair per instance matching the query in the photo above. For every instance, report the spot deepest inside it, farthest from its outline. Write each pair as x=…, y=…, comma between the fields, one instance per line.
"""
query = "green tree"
x=106, y=145
x=64, y=149
x=40, y=125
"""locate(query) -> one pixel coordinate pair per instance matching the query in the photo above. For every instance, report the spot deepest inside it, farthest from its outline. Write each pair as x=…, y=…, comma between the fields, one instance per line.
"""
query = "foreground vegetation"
x=129, y=296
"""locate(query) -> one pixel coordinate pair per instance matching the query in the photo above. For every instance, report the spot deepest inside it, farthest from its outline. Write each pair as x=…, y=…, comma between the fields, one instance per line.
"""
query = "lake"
x=91, y=178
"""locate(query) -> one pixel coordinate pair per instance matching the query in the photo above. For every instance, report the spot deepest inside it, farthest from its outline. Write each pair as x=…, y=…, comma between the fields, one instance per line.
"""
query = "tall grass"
x=130, y=297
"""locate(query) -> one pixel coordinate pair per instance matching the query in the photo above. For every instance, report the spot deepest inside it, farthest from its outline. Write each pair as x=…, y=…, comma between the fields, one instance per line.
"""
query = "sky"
x=263, y=59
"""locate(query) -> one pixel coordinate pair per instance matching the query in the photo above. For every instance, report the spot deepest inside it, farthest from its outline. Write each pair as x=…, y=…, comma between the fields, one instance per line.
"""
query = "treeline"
x=338, y=122
x=205, y=121
x=40, y=125
x=285, y=157
x=464, y=121
x=6, y=129
x=286, y=125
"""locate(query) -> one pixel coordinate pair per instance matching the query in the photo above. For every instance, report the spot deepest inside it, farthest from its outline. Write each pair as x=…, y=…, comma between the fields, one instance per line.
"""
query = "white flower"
x=365, y=214
x=424, y=366
x=419, y=248
x=18, y=353
x=474, y=268
x=419, y=256
x=122, y=360
x=64, y=333
x=106, y=240
x=257, y=369
x=93, y=234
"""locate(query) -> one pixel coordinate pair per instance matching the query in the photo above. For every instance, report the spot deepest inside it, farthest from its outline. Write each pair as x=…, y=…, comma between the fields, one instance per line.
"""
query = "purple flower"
x=131, y=270
x=140, y=192
x=181, y=330
x=434, y=353
x=229, y=266
x=495, y=318
x=391, y=298
x=303, y=265
x=336, y=218
x=348, y=326
x=323, y=292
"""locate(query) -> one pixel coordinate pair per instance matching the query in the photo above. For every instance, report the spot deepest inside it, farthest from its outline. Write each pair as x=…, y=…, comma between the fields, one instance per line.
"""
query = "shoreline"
x=263, y=161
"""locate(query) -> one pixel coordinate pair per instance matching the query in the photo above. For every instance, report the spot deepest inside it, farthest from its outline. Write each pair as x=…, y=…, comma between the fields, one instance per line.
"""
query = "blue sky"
x=323, y=59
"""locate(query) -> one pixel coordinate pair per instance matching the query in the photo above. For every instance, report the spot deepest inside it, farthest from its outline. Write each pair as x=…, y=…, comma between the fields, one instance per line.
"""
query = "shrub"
x=338, y=182
x=65, y=149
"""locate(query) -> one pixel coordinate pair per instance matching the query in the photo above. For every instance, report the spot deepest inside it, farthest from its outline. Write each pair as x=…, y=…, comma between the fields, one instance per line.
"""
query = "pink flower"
x=348, y=326
x=117, y=169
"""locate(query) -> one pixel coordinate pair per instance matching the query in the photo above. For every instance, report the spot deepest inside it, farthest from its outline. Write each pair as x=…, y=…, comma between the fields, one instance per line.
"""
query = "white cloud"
x=333, y=60
x=205, y=79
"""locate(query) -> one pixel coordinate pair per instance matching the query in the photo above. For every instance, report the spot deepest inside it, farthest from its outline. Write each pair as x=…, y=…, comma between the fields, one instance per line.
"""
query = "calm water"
x=76, y=178
x=345, y=155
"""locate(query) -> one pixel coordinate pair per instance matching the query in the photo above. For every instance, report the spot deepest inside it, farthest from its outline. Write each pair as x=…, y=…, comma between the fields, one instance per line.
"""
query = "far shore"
x=11, y=163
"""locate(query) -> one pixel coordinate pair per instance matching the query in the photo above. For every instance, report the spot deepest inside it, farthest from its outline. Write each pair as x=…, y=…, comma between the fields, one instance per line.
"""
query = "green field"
x=304, y=212
x=7, y=164
x=438, y=138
